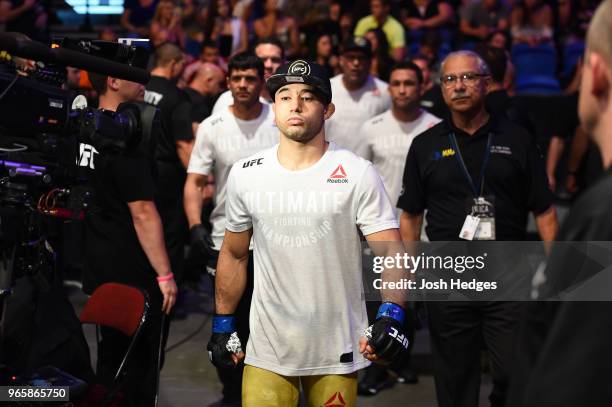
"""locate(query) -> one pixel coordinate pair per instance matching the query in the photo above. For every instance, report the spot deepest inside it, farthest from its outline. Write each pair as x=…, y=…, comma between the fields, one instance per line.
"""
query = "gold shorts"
x=263, y=388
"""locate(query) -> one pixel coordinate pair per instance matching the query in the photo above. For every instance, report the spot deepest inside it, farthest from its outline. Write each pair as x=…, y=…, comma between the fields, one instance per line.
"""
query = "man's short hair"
x=245, y=60
x=482, y=65
x=384, y=3
x=273, y=41
x=98, y=82
x=495, y=59
x=165, y=54
x=208, y=44
x=410, y=66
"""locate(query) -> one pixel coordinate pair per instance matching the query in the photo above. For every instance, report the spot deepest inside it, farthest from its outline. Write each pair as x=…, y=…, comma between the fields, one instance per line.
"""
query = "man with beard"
x=386, y=141
x=358, y=96
x=242, y=129
x=271, y=52
x=307, y=311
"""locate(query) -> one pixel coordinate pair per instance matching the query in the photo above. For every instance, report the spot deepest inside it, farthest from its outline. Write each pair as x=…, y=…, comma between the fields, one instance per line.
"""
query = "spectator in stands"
x=137, y=16
x=166, y=25
x=206, y=84
x=275, y=23
x=423, y=63
x=322, y=52
x=499, y=39
x=381, y=61
x=210, y=54
x=381, y=18
x=478, y=19
x=229, y=32
x=531, y=23
x=432, y=99
x=24, y=16
x=428, y=15
x=568, y=29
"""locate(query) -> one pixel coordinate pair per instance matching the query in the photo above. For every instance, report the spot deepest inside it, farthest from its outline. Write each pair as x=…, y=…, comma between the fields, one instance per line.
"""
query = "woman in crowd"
x=381, y=61
x=275, y=24
x=166, y=25
x=531, y=23
x=322, y=51
x=229, y=32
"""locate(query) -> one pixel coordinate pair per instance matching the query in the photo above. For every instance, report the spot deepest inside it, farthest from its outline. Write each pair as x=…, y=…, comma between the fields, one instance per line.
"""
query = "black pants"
x=458, y=331
x=139, y=387
x=232, y=378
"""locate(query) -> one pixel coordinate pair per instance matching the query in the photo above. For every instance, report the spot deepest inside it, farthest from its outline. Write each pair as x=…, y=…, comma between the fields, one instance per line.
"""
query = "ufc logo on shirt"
x=153, y=98
x=86, y=156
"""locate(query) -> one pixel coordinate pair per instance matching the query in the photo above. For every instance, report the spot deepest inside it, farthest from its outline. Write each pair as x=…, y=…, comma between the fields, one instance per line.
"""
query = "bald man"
x=205, y=86
x=564, y=355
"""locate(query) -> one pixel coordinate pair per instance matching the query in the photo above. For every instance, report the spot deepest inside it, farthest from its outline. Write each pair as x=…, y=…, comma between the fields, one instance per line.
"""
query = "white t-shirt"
x=221, y=140
x=226, y=99
x=386, y=141
x=353, y=108
x=307, y=312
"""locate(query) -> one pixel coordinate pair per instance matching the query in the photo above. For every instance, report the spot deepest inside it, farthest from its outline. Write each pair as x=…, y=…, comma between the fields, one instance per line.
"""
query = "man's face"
x=73, y=77
x=378, y=10
x=210, y=54
x=463, y=86
x=130, y=91
x=245, y=85
x=355, y=67
x=177, y=68
x=404, y=89
x=272, y=58
x=300, y=115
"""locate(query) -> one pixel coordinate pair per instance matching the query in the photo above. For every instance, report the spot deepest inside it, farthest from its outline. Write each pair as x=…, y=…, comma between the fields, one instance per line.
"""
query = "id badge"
x=470, y=226
x=484, y=209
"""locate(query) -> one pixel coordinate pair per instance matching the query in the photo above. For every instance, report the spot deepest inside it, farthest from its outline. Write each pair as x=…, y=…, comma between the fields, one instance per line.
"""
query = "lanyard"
x=485, y=160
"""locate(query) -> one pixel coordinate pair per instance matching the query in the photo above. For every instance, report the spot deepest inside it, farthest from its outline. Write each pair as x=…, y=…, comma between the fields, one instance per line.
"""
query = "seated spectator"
x=428, y=15
x=137, y=16
x=210, y=54
x=531, y=23
x=380, y=18
x=166, y=25
x=499, y=39
x=230, y=33
x=381, y=61
x=275, y=23
x=322, y=52
x=568, y=29
x=27, y=17
x=478, y=19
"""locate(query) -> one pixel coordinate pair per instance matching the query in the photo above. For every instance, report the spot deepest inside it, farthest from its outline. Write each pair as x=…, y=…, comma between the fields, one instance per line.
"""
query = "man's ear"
x=328, y=111
x=600, y=74
x=113, y=83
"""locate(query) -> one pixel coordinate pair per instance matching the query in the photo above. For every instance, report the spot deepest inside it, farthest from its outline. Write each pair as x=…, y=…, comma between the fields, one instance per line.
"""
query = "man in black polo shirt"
x=470, y=157
x=173, y=147
x=565, y=350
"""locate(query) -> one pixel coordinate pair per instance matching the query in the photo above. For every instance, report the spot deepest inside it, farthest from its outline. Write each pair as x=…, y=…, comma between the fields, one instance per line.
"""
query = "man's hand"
x=385, y=341
x=201, y=240
x=169, y=291
x=224, y=347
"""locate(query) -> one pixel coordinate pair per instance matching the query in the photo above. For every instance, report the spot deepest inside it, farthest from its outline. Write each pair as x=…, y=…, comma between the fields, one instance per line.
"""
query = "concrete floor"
x=189, y=379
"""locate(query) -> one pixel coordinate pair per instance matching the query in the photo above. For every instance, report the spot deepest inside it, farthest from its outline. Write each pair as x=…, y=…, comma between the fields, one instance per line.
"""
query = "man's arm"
x=410, y=226
x=231, y=275
x=555, y=149
x=388, y=243
x=547, y=224
x=149, y=230
x=578, y=148
x=183, y=150
x=193, y=198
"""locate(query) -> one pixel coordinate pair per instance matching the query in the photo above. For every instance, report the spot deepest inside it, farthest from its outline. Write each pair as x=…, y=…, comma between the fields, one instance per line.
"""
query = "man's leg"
x=500, y=326
x=262, y=388
x=327, y=390
x=455, y=331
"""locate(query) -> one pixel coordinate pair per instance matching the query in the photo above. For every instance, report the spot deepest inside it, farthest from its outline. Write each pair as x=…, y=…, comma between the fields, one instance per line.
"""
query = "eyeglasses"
x=468, y=79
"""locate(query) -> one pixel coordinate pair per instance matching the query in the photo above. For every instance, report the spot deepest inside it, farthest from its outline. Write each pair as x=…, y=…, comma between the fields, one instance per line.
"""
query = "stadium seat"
x=571, y=55
x=537, y=85
x=540, y=60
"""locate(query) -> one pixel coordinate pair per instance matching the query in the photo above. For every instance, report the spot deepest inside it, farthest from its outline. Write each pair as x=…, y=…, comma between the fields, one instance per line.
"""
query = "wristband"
x=167, y=277
x=391, y=310
x=223, y=324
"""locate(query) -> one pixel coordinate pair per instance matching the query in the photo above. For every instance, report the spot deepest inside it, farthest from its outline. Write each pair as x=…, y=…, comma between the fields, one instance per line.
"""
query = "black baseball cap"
x=301, y=71
x=358, y=44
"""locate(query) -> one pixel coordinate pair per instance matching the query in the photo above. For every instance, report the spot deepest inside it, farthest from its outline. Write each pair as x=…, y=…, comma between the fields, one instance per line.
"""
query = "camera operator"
x=124, y=243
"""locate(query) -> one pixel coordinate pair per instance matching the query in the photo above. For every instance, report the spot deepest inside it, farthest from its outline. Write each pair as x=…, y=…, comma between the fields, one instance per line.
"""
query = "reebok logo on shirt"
x=338, y=176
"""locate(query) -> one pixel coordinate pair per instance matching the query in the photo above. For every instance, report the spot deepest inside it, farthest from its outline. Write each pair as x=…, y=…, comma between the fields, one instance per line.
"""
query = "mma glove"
x=201, y=242
x=386, y=335
x=224, y=341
